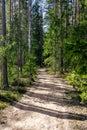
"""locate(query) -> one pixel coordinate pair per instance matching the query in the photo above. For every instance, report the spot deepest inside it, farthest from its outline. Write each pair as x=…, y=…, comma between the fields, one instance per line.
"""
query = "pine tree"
x=37, y=33
x=4, y=61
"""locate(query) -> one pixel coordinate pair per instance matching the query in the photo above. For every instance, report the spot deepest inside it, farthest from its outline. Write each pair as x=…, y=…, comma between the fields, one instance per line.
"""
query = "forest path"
x=45, y=106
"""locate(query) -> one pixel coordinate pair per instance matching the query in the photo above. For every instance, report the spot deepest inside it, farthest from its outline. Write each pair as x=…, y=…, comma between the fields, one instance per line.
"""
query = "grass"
x=3, y=105
x=57, y=73
x=20, y=82
x=14, y=93
x=17, y=87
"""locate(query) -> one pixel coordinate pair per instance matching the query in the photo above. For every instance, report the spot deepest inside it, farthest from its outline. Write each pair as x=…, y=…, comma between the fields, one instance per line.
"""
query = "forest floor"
x=47, y=105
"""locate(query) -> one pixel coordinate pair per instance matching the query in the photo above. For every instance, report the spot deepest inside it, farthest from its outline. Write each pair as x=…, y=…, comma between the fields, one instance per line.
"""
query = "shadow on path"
x=50, y=112
x=55, y=98
x=51, y=90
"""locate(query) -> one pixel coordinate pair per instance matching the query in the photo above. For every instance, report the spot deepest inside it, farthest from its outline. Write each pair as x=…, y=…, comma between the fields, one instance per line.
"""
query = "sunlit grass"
x=3, y=105
x=14, y=93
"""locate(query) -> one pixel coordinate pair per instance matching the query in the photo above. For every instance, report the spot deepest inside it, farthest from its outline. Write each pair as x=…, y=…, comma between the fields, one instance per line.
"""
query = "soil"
x=47, y=105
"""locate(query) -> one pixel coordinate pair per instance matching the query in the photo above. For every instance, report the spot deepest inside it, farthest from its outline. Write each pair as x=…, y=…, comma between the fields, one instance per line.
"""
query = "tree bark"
x=60, y=41
x=55, y=66
x=20, y=44
x=29, y=38
x=10, y=12
x=4, y=61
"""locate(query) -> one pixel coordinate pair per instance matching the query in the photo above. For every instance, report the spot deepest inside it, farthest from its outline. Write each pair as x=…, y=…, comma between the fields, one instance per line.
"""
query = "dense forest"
x=36, y=34
x=65, y=42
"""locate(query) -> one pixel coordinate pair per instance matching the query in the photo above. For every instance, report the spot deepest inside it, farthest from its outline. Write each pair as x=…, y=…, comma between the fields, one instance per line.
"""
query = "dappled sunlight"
x=46, y=105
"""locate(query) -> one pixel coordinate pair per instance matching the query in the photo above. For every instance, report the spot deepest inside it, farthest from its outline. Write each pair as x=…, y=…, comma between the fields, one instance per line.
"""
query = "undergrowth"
x=79, y=82
x=14, y=93
x=17, y=86
x=57, y=73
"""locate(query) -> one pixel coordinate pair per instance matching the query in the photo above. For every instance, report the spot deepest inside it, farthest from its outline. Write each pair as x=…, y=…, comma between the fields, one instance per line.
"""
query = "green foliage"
x=21, y=90
x=55, y=35
x=3, y=105
x=8, y=96
x=65, y=32
x=12, y=73
x=80, y=83
x=75, y=49
x=83, y=89
x=21, y=64
x=29, y=68
x=48, y=61
x=18, y=82
x=37, y=34
x=83, y=97
x=74, y=79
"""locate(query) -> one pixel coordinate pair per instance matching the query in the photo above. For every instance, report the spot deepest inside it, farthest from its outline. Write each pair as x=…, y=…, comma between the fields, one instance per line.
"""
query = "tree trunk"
x=29, y=38
x=20, y=44
x=4, y=62
x=10, y=12
x=60, y=41
x=55, y=62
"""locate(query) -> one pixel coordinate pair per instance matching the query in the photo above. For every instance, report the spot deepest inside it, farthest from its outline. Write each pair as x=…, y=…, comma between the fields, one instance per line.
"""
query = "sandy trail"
x=45, y=106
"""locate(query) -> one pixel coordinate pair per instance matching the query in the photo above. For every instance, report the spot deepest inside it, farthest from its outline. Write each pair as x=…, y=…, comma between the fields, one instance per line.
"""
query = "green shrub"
x=30, y=69
x=21, y=90
x=74, y=79
x=83, y=97
x=12, y=73
x=80, y=81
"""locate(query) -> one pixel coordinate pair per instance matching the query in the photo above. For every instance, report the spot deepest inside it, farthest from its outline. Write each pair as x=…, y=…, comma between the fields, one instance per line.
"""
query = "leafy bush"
x=83, y=97
x=12, y=73
x=29, y=69
x=74, y=79
x=80, y=81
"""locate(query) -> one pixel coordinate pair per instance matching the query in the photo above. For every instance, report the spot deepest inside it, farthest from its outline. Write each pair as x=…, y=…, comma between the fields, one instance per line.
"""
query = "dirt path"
x=45, y=106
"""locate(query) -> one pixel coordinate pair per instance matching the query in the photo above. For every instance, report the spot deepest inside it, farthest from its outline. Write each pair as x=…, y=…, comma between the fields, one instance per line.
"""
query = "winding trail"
x=45, y=106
